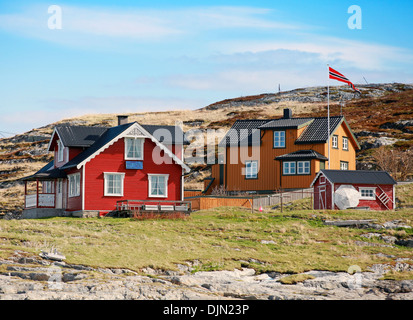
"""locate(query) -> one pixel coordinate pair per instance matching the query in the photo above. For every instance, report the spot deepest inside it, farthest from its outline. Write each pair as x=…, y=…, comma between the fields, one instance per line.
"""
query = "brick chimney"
x=122, y=120
x=288, y=114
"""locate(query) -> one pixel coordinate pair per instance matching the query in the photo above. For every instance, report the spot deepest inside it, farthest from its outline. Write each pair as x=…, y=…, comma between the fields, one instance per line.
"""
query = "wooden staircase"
x=384, y=198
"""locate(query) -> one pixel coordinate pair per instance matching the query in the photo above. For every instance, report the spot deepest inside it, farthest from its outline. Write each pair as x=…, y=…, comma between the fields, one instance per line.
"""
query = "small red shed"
x=345, y=189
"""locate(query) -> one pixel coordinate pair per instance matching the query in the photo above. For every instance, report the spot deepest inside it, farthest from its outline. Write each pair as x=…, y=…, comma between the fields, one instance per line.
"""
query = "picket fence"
x=251, y=201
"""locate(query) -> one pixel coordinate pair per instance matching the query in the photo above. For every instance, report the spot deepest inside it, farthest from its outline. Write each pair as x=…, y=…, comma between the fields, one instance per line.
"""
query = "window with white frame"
x=288, y=167
x=345, y=143
x=279, y=139
x=134, y=148
x=303, y=167
x=343, y=165
x=335, y=142
x=251, y=169
x=74, y=184
x=158, y=185
x=114, y=183
x=60, y=151
x=367, y=193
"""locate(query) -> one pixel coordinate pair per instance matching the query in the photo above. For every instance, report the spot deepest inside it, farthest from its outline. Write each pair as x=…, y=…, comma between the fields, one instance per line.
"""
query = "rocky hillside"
x=313, y=94
x=381, y=115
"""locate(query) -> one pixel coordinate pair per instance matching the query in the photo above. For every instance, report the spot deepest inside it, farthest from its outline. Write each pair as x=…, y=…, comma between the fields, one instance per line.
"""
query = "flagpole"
x=328, y=114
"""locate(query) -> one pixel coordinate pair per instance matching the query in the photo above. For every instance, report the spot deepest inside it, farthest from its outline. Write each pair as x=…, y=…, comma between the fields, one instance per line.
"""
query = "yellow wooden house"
x=264, y=156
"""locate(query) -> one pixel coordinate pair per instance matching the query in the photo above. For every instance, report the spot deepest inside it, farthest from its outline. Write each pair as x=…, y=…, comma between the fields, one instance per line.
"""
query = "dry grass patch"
x=295, y=278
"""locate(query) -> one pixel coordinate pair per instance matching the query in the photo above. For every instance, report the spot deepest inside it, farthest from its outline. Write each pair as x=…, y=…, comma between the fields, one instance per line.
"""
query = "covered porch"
x=45, y=189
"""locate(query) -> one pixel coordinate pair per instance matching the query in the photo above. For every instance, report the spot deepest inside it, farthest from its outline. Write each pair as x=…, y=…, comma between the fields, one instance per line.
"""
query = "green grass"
x=224, y=238
x=296, y=278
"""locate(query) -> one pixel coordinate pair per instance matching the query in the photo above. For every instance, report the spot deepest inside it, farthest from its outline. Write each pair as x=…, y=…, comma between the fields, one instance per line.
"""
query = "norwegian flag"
x=334, y=74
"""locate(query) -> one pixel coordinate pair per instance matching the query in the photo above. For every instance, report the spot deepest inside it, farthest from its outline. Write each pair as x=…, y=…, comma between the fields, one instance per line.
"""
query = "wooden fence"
x=254, y=201
x=208, y=202
x=192, y=193
x=281, y=198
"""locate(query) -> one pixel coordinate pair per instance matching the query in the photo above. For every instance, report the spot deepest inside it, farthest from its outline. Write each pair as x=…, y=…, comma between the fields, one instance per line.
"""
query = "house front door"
x=59, y=194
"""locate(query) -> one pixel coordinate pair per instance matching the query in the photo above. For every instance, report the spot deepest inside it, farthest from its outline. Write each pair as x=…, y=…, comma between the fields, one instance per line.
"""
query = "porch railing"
x=31, y=200
x=41, y=200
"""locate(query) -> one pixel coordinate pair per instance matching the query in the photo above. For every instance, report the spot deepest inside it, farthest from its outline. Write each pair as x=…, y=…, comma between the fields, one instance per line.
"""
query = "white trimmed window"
x=251, y=169
x=368, y=193
x=158, y=185
x=134, y=148
x=288, y=167
x=303, y=167
x=60, y=151
x=74, y=184
x=279, y=139
x=345, y=143
x=335, y=142
x=343, y=165
x=114, y=183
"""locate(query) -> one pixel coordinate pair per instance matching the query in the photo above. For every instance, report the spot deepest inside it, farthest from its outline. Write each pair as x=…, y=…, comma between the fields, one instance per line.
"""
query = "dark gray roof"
x=302, y=154
x=292, y=123
x=46, y=173
x=358, y=176
x=316, y=132
x=243, y=132
x=79, y=136
x=82, y=136
x=166, y=134
x=107, y=136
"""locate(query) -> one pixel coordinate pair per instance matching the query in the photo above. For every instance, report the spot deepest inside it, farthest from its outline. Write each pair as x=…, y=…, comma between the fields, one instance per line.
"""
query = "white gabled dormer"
x=60, y=151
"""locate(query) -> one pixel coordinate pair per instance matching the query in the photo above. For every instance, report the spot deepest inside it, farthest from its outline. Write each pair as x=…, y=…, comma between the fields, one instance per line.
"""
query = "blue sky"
x=136, y=56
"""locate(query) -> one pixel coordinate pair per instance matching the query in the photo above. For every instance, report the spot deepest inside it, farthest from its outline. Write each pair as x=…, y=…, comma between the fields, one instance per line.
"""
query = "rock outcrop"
x=32, y=278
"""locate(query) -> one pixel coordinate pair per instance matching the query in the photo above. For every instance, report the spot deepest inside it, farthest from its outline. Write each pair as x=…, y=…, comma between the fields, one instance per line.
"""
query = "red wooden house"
x=96, y=167
x=344, y=189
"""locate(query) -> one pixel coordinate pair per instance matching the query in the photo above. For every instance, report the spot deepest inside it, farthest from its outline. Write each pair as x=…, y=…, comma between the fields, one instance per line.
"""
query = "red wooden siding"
x=374, y=204
x=322, y=195
x=326, y=198
x=135, y=181
x=74, y=203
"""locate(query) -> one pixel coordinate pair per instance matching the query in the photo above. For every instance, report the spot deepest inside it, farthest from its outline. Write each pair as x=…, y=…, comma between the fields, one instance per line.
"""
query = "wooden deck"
x=141, y=208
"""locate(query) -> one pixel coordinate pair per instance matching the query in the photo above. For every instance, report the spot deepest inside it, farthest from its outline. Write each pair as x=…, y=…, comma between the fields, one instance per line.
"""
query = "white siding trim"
x=394, y=198
x=83, y=187
x=125, y=134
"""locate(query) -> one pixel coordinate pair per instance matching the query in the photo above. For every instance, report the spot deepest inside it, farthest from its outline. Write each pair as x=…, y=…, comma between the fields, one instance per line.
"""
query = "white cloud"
x=351, y=53
x=50, y=111
x=92, y=26
x=261, y=71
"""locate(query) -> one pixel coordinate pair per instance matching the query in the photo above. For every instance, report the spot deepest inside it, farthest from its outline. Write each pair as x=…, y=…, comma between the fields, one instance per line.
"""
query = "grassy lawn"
x=224, y=238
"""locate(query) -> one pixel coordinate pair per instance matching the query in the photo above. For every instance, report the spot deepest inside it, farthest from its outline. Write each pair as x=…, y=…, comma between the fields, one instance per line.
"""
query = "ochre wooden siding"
x=339, y=154
x=135, y=182
x=202, y=203
x=270, y=177
x=269, y=169
x=300, y=181
x=192, y=193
